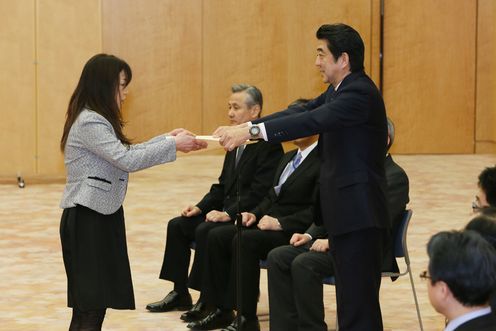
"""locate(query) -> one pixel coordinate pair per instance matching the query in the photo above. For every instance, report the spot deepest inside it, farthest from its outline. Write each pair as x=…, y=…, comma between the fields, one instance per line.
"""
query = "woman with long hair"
x=98, y=159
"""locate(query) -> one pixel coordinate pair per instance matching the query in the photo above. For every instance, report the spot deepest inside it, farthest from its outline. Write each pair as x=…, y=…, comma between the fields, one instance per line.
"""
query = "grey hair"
x=390, y=126
x=254, y=94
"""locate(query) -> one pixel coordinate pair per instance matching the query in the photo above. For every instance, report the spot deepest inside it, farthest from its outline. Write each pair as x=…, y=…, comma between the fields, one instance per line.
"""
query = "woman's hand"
x=186, y=142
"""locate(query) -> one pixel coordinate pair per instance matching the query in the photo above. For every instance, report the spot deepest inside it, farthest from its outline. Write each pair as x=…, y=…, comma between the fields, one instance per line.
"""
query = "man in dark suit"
x=351, y=118
x=253, y=165
x=287, y=208
x=461, y=278
x=295, y=271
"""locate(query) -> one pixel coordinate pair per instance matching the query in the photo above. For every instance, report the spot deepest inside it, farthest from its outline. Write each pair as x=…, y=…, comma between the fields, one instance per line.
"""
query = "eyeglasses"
x=424, y=275
x=476, y=205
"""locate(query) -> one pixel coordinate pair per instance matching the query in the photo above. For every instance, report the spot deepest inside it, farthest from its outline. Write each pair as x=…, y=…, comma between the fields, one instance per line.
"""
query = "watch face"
x=254, y=131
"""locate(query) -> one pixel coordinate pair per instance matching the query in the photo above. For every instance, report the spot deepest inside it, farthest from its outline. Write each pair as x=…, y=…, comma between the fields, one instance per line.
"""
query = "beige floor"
x=32, y=278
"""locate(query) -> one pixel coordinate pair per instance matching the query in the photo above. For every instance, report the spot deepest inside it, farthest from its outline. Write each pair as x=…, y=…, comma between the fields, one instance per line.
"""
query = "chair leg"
x=415, y=297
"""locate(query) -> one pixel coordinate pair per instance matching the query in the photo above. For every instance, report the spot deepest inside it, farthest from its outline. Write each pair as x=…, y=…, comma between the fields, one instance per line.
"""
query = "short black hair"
x=466, y=263
x=485, y=225
x=299, y=102
x=487, y=182
x=342, y=38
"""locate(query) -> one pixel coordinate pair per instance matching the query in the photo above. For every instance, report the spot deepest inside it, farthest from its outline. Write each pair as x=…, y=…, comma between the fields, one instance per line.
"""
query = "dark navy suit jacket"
x=353, y=137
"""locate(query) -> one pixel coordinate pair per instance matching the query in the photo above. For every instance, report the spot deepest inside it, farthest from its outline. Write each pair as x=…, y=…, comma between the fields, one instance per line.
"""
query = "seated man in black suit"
x=486, y=196
x=461, y=278
x=254, y=165
x=295, y=271
x=287, y=208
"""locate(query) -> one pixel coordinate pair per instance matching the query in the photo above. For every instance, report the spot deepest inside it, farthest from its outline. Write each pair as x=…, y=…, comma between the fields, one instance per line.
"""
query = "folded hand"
x=320, y=245
x=217, y=216
x=247, y=219
x=269, y=223
x=299, y=239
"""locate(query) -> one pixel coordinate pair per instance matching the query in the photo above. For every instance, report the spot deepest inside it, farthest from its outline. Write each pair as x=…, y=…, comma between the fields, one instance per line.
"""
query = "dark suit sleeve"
x=261, y=209
x=397, y=190
x=267, y=161
x=297, y=221
x=352, y=107
x=317, y=231
x=312, y=104
x=214, y=199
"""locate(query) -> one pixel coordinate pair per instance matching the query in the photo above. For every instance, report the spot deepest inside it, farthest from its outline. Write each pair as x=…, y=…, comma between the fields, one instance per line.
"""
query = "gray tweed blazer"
x=98, y=164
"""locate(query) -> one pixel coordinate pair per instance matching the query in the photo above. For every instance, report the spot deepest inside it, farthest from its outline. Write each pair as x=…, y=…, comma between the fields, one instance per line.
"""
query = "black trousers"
x=181, y=231
x=295, y=288
x=219, y=287
x=358, y=262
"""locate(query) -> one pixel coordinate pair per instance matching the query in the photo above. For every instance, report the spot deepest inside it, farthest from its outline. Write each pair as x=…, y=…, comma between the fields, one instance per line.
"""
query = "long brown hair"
x=96, y=90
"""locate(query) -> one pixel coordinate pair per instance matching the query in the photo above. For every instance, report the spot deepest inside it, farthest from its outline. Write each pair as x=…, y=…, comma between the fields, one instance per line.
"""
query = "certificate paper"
x=212, y=138
x=207, y=138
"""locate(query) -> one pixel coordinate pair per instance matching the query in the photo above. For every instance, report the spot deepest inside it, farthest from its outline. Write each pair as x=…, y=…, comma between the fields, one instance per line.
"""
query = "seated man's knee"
x=174, y=224
x=275, y=258
x=300, y=264
x=249, y=240
x=203, y=229
x=216, y=236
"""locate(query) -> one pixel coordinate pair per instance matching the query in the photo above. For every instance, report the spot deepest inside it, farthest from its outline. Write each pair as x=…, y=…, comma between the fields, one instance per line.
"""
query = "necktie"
x=296, y=161
x=290, y=168
x=239, y=152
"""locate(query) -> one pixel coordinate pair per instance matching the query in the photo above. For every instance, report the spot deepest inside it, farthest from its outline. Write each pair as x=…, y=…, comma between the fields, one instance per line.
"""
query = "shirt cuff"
x=263, y=132
x=309, y=235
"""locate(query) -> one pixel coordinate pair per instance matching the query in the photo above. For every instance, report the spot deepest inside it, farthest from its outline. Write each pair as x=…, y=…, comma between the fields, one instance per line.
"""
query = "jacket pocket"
x=100, y=183
x=351, y=179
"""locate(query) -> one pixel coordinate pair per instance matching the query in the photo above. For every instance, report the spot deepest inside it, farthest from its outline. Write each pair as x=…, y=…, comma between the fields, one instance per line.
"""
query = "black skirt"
x=95, y=258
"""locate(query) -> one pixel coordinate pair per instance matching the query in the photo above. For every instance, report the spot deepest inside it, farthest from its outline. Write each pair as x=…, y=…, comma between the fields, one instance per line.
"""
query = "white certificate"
x=208, y=138
x=212, y=138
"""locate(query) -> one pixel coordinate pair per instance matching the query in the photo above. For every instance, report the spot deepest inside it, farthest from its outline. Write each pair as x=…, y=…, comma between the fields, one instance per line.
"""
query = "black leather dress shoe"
x=196, y=313
x=173, y=301
x=215, y=320
x=246, y=325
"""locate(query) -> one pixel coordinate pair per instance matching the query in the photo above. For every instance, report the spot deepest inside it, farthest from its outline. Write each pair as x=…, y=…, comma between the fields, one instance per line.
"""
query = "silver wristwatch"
x=254, y=131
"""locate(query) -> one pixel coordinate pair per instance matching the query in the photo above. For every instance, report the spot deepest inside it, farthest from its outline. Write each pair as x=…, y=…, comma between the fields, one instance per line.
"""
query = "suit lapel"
x=248, y=153
x=229, y=167
x=282, y=165
x=301, y=168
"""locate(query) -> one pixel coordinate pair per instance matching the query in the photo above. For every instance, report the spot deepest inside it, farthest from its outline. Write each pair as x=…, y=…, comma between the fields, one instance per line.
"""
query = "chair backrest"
x=400, y=246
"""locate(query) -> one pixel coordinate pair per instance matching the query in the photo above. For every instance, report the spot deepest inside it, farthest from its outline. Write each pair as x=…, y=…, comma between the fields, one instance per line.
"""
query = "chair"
x=400, y=251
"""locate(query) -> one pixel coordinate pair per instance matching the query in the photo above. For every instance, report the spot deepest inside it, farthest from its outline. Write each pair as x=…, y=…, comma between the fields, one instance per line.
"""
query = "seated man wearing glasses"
x=486, y=196
x=462, y=276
